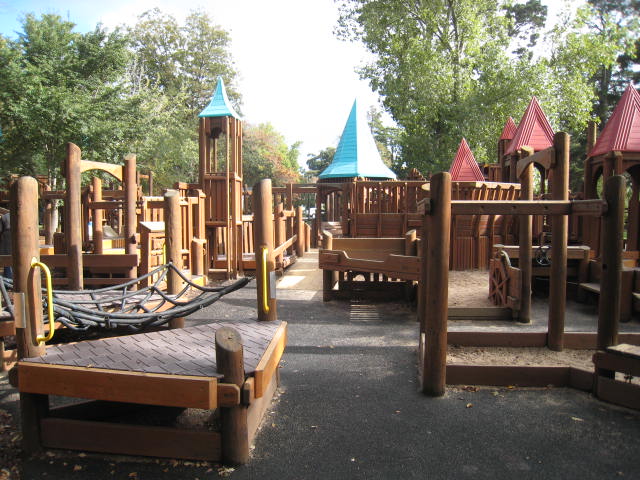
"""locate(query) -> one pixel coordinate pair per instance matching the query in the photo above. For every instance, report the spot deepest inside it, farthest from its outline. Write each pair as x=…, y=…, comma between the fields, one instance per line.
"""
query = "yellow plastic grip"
x=52, y=325
x=265, y=277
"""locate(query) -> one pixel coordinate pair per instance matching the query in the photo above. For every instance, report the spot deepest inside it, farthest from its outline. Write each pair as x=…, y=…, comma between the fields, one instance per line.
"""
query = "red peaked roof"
x=464, y=167
x=533, y=131
x=509, y=130
x=622, y=131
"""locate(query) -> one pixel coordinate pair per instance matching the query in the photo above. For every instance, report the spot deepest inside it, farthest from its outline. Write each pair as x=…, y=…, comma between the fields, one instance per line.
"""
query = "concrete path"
x=349, y=408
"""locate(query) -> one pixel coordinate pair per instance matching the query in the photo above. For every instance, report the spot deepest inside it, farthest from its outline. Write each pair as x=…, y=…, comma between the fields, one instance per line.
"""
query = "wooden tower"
x=617, y=151
x=220, y=178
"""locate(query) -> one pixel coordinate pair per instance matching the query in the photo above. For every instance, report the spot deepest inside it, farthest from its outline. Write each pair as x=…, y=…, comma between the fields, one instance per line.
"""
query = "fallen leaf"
x=470, y=388
x=469, y=405
x=77, y=468
x=577, y=419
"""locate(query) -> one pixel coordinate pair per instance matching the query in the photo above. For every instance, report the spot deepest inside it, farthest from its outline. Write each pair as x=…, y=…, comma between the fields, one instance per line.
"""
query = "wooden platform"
x=170, y=368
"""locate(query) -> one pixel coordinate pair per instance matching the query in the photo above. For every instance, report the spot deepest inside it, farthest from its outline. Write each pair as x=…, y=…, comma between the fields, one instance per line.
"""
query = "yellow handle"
x=52, y=325
x=265, y=289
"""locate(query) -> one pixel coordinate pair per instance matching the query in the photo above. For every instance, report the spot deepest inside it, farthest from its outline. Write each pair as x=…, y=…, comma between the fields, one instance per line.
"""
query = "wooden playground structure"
x=229, y=366
x=394, y=238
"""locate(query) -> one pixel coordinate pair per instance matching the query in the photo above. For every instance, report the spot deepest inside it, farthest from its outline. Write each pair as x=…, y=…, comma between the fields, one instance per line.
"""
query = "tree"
x=443, y=70
x=266, y=155
x=317, y=163
x=174, y=72
x=184, y=60
x=59, y=86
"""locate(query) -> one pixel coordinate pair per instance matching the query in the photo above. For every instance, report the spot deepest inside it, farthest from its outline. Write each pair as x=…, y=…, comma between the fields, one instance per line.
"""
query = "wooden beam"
x=111, y=168
x=545, y=157
x=270, y=360
x=118, y=385
x=123, y=439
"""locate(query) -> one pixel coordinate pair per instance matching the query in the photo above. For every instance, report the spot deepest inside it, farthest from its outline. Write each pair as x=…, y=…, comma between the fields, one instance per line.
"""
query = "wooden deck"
x=170, y=368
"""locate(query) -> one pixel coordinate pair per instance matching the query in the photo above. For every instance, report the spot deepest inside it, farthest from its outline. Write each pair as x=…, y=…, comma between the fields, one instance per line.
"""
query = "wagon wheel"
x=499, y=278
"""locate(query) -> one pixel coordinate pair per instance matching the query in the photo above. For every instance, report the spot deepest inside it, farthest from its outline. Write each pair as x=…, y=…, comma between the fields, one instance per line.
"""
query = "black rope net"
x=125, y=306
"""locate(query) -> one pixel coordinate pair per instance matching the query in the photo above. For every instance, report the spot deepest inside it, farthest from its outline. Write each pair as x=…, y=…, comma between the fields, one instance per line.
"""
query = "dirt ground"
x=471, y=289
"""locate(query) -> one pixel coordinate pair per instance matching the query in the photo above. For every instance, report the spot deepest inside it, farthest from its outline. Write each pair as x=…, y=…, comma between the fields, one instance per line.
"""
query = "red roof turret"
x=622, y=131
x=533, y=131
x=509, y=130
x=464, y=167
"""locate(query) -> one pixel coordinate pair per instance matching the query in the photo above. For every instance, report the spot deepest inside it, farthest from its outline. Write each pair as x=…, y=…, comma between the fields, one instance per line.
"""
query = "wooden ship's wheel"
x=499, y=277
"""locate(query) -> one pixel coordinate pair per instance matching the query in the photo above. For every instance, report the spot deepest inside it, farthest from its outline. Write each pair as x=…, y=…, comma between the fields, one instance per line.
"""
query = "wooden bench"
x=384, y=264
x=589, y=282
x=625, y=359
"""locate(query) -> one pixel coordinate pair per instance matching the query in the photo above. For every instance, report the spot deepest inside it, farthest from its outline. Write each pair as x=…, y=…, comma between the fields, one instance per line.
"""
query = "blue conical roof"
x=219, y=105
x=357, y=154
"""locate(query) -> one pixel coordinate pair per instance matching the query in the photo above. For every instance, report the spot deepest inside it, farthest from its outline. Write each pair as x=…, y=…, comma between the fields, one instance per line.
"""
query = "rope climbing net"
x=125, y=305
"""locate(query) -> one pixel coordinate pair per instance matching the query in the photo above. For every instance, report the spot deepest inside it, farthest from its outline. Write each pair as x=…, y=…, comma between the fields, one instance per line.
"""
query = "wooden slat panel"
x=130, y=439
x=118, y=385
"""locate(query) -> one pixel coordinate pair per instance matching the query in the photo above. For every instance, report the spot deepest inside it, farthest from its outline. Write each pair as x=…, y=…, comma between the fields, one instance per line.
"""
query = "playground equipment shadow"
x=349, y=408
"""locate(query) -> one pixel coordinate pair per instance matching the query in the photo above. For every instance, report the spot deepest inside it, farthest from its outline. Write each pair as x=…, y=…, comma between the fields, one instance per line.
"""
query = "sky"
x=293, y=71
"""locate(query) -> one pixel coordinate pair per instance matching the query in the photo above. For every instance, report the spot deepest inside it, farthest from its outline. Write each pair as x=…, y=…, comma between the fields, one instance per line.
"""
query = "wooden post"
x=611, y=278
x=98, y=233
x=307, y=237
x=130, y=221
x=173, y=246
x=329, y=277
x=230, y=363
x=410, y=250
x=24, y=238
x=197, y=256
x=202, y=151
x=263, y=237
x=525, y=238
x=73, y=218
x=300, y=232
x=559, y=240
x=436, y=262
x=279, y=232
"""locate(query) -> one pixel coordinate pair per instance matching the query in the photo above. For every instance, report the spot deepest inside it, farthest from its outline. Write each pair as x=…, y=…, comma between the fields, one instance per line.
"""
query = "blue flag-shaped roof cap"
x=357, y=154
x=219, y=106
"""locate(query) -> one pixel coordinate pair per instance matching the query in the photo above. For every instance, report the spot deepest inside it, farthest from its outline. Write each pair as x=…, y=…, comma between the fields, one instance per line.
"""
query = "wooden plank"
x=626, y=350
x=270, y=360
x=259, y=406
x=581, y=379
x=617, y=363
x=111, y=168
x=393, y=266
x=119, y=438
x=118, y=385
x=620, y=393
x=589, y=208
x=505, y=375
x=497, y=339
x=485, y=313
x=574, y=252
x=387, y=244
x=516, y=207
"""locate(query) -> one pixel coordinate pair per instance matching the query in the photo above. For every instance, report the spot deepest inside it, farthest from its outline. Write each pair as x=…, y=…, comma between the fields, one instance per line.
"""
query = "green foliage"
x=448, y=70
x=266, y=155
x=317, y=163
x=59, y=86
x=443, y=70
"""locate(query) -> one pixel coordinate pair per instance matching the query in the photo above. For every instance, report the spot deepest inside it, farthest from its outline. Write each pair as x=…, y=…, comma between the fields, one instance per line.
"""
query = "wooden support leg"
x=229, y=359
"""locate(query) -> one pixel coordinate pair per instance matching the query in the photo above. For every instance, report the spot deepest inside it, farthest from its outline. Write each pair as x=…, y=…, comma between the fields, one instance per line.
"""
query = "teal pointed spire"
x=357, y=154
x=219, y=106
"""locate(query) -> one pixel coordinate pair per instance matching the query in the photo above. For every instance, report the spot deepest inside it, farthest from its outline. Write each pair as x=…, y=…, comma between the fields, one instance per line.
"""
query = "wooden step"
x=591, y=287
